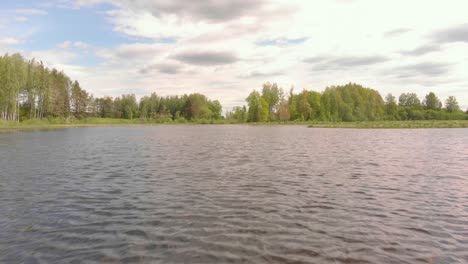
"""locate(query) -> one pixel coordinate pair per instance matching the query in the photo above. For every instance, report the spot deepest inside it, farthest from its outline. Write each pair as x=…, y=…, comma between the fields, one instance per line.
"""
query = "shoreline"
x=9, y=127
x=409, y=124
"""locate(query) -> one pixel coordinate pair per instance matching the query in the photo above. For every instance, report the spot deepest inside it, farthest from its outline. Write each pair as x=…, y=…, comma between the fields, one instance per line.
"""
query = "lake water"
x=222, y=194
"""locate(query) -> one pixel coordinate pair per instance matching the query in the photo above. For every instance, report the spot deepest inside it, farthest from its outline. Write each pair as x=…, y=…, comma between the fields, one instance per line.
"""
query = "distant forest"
x=29, y=90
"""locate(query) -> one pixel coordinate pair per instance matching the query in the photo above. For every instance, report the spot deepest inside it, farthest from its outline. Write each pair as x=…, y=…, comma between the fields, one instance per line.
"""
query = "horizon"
x=225, y=49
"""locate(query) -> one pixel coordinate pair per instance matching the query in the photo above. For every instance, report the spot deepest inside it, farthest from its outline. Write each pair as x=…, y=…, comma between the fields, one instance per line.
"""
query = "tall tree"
x=272, y=95
x=303, y=107
x=391, y=107
x=197, y=107
x=258, y=108
x=431, y=102
x=451, y=104
x=238, y=114
x=216, y=109
x=409, y=99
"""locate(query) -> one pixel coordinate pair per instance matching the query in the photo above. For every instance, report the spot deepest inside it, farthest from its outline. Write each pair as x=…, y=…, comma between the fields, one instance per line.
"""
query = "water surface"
x=256, y=194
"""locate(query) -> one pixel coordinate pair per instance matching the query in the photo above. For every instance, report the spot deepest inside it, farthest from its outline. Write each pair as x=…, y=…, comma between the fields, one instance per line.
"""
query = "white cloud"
x=70, y=44
x=64, y=45
x=137, y=50
x=81, y=45
x=10, y=41
x=54, y=57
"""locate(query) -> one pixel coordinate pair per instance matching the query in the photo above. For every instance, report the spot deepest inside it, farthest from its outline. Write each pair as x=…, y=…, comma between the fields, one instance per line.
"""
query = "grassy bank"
x=394, y=124
x=63, y=123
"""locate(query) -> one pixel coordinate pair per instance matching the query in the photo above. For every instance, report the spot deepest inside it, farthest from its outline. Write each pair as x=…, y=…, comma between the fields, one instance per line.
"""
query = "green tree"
x=409, y=100
x=314, y=102
x=292, y=105
x=238, y=114
x=79, y=100
x=431, y=102
x=303, y=107
x=451, y=104
x=128, y=106
x=283, y=112
x=391, y=107
x=105, y=107
x=31, y=89
x=197, y=107
x=216, y=109
x=258, y=108
x=272, y=95
x=351, y=102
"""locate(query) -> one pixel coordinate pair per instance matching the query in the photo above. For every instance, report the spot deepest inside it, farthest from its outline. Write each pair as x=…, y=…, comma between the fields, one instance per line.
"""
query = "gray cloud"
x=316, y=59
x=332, y=63
x=359, y=61
x=425, y=69
x=167, y=68
x=261, y=74
x=222, y=16
x=457, y=33
x=135, y=51
x=214, y=10
x=396, y=32
x=422, y=50
x=206, y=58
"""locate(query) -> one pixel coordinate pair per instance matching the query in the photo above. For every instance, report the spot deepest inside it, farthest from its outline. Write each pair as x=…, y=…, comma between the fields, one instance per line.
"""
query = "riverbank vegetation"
x=346, y=103
x=29, y=90
x=33, y=95
x=394, y=124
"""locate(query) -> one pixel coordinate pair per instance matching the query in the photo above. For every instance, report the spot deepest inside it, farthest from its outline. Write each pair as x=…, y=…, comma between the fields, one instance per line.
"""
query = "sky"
x=225, y=49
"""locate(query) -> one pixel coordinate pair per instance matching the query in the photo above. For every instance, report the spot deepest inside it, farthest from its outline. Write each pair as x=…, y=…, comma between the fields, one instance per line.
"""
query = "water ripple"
x=234, y=194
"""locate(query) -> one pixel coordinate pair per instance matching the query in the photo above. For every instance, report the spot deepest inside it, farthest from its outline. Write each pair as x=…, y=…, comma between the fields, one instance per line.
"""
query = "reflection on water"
x=204, y=194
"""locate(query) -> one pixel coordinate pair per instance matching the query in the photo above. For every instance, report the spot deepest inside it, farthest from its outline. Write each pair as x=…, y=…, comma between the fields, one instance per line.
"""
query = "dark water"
x=206, y=194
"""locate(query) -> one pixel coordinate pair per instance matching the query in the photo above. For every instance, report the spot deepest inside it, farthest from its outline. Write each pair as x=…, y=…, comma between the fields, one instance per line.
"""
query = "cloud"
x=316, y=59
x=54, y=57
x=64, y=45
x=167, y=68
x=422, y=50
x=70, y=44
x=213, y=11
x=206, y=58
x=81, y=45
x=396, y=32
x=191, y=19
x=457, y=33
x=424, y=69
x=243, y=43
x=353, y=61
x=10, y=41
x=39, y=12
x=333, y=63
x=138, y=51
x=282, y=42
x=262, y=74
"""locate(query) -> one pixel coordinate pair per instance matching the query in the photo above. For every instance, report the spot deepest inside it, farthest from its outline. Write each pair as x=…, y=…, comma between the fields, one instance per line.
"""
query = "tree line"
x=350, y=102
x=28, y=90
